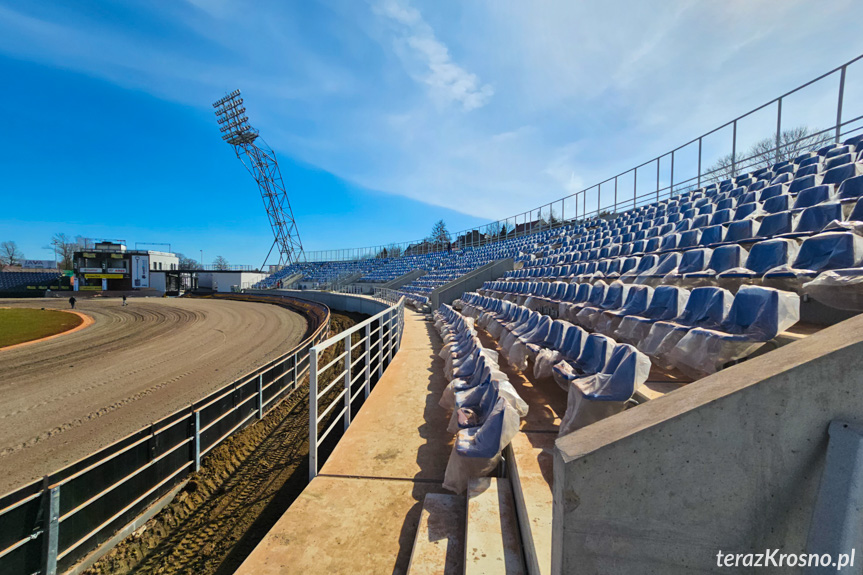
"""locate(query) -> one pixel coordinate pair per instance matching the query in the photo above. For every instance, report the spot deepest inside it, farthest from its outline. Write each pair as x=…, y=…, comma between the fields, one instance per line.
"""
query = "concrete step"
x=439, y=544
x=530, y=460
x=492, y=541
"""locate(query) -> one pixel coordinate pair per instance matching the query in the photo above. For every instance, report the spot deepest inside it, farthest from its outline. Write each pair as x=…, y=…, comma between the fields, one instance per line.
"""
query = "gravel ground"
x=64, y=398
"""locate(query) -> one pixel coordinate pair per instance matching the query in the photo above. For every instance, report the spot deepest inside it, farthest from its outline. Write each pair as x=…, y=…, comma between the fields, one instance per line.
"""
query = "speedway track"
x=63, y=398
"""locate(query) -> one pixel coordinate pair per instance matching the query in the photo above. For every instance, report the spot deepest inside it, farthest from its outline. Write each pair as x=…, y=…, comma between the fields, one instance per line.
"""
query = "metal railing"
x=675, y=171
x=51, y=524
x=362, y=353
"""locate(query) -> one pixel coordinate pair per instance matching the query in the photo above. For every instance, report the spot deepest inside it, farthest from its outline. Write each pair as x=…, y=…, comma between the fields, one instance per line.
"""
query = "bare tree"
x=10, y=255
x=65, y=247
x=439, y=235
x=187, y=263
x=764, y=153
x=220, y=263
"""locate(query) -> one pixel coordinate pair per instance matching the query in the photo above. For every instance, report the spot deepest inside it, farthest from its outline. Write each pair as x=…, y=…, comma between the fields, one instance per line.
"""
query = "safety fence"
x=713, y=156
x=49, y=525
x=362, y=353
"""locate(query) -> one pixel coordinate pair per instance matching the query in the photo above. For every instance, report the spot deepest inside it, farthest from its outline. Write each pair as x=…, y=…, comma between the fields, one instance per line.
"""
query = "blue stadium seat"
x=812, y=196
x=593, y=398
x=758, y=314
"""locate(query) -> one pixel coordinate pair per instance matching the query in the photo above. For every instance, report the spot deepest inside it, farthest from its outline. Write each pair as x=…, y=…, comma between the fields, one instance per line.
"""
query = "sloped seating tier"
x=599, y=375
x=486, y=408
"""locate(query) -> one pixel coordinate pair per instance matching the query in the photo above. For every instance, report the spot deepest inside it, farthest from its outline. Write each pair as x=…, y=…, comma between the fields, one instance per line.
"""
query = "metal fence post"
x=839, y=104
x=347, y=380
x=734, y=151
x=635, y=188
x=197, y=440
x=368, y=356
x=671, y=184
x=51, y=532
x=380, y=347
x=699, y=162
x=778, y=128
x=261, y=396
x=313, y=413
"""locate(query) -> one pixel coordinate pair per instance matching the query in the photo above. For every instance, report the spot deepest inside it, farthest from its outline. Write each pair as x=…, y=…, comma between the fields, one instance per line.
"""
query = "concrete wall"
x=222, y=281
x=731, y=463
x=469, y=282
x=337, y=301
x=405, y=279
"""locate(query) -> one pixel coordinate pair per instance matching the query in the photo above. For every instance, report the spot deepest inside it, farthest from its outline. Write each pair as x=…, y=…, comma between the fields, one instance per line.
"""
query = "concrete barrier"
x=731, y=463
x=448, y=293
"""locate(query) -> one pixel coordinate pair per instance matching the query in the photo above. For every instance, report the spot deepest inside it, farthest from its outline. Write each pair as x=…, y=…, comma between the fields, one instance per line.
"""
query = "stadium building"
x=110, y=266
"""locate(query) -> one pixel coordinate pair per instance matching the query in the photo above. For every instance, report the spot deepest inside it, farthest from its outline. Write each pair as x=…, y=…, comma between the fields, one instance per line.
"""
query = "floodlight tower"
x=261, y=162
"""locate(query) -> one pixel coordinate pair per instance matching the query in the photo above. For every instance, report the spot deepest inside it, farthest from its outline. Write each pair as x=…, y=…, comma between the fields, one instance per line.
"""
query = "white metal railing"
x=362, y=353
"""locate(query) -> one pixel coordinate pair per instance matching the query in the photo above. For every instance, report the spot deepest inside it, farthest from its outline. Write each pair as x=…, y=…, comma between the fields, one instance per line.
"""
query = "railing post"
x=635, y=188
x=347, y=380
x=261, y=396
x=51, y=532
x=671, y=184
x=839, y=104
x=196, y=441
x=367, y=362
x=657, y=178
x=380, y=347
x=615, y=194
x=734, y=151
x=778, y=129
x=313, y=413
x=699, y=161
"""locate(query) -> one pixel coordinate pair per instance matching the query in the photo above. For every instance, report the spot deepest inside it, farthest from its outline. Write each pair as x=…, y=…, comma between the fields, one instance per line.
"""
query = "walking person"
x=72, y=301
x=124, y=300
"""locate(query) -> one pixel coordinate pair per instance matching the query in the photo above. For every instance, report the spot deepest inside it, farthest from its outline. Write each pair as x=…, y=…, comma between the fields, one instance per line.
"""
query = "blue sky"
x=386, y=115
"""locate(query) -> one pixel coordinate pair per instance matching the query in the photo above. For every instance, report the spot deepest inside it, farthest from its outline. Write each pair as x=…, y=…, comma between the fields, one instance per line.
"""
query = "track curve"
x=63, y=398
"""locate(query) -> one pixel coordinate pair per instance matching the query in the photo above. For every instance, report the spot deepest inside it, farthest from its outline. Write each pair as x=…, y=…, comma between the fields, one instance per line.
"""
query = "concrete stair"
x=529, y=463
x=439, y=543
x=492, y=540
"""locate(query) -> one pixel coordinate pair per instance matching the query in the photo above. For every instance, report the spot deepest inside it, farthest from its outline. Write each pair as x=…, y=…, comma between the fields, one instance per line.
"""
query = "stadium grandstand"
x=633, y=379
x=596, y=318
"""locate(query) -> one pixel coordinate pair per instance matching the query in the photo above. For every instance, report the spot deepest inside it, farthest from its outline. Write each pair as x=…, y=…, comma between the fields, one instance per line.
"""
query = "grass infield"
x=20, y=325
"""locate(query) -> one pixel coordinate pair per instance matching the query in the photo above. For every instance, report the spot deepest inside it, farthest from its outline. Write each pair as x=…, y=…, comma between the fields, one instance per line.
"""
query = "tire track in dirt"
x=64, y=398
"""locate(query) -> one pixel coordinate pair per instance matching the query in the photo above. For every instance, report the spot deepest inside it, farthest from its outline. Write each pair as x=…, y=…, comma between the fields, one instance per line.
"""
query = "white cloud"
x=428, y=59
x=581, y=92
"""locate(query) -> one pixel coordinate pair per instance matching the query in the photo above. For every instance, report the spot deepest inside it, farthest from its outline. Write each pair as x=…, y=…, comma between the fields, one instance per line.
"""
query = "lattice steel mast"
x=261, y=162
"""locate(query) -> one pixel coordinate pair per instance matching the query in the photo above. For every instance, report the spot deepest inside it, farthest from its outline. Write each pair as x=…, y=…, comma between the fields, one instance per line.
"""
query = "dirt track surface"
x=63, y=398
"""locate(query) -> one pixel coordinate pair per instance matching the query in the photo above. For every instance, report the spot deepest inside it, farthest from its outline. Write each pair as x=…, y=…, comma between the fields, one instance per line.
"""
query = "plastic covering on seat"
x=745, y=210
x=825, y=251
x=758, y=314
x=666, y=303
x=476, y=452
x=813, y=196
x=706, y=307
x=816, y=218
x=551, y=346
x=741, y=230
x=776, y=224
x=517, y=353
x=776, y=204
x=801, y=183
x=597, y=349
x=851, y=188
x=841, y=288
x=637, y=300
x=603, y=394
x=840, y=174
x=764, y=256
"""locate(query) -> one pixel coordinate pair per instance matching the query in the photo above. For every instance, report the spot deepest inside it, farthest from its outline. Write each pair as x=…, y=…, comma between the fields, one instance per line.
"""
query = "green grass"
x=20, y=325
